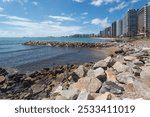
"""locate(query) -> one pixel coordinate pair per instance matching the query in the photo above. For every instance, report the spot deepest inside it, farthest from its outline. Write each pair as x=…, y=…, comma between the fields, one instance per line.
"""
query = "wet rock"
x=90, y=84
x=111, y=87
x=100, y=63
x=12, y=71
x=125, y=77
x=80, y=71
x=37, y=88
x=129, y=58
x=3, y=72
x=2, y=79
x=110, y=75
x=84, y=95
x=119, y=67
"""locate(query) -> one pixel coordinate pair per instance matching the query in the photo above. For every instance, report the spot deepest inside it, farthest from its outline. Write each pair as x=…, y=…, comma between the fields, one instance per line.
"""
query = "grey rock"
x=145, y=74
x=37, y=88
x=70, y=94
x=2, y=79
x=111, y=87
x=100, y=73
x=129, y=58
x=100, y=63
x=90, y=84
x=84, y=95
x=142, y=89
x=125, y=77
x=119, y=67
x=80, y=71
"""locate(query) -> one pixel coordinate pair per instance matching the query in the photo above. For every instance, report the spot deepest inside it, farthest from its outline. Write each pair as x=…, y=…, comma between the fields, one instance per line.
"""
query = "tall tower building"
x=130, y=22
x=144, y=20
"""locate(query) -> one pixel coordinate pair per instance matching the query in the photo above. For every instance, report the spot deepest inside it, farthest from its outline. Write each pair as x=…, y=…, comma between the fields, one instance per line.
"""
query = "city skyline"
x=60, y=17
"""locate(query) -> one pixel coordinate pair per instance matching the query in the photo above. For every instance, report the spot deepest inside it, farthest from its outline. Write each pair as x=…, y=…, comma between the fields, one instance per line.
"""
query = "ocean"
x=30, y=58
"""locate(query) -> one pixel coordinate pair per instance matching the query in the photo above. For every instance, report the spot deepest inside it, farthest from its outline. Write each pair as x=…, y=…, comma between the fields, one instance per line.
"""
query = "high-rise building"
x=144, y=20
x=147, y=18
x=108, y=32
x=114, y=29
x=119, y=28
x=130, y=22
x=102, y=33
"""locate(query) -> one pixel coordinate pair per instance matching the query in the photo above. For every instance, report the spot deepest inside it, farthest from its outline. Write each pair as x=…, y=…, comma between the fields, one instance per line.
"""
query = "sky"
x=41, y=18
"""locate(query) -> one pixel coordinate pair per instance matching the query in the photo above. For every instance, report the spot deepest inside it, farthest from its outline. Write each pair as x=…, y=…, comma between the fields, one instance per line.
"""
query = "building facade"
x=119, y=28
x=144, y=20
x=147, y=18
x=108, y=32
x=114, y=29
x=130, y=23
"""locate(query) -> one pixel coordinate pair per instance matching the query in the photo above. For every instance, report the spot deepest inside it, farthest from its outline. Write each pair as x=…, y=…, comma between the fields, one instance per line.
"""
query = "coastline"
x=117, y=77
x=104, y=38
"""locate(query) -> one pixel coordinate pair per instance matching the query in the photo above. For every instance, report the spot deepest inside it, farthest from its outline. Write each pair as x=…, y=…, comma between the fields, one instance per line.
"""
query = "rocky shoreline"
x=69, y=44
x=122, y=76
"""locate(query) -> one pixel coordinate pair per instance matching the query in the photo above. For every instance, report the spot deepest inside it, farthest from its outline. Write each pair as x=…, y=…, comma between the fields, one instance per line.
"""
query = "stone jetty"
x=69, y=44
x=123, y=76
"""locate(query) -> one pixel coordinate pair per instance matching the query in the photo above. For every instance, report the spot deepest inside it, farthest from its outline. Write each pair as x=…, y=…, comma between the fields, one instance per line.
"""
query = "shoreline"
x=117, y=77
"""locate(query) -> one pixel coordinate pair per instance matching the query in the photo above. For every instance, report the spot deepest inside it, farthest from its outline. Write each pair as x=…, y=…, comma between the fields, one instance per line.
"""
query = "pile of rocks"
x=68, y=44
x=125, y=75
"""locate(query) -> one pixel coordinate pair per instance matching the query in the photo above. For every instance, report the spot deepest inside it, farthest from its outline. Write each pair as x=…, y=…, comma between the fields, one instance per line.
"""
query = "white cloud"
x=1, y=9
x=22, y=2
x=85, y=13
x=118, y=7
x=86, y=22
x=15, y=18
x=100, y=2
x=61, y=18
x=35, y=3
x=79, y=1
x=100, y=22
x=135, y=1
x=7, y=0
x=19, y=27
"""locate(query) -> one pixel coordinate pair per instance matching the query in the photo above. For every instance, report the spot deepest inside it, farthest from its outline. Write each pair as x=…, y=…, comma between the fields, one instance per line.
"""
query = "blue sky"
x=60, y=17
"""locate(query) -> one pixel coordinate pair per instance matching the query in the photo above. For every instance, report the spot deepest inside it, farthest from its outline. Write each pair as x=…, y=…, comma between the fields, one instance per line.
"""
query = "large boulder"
x=125, y=77
x=100, y=74
x=110, y=75
x=100, y=63
x=129, y=58
x=111, y=87
x=84, y=95
x=37, y=88
x=119, y=67
x=70, y=94
x=142, y=89
x=80, y=71
x=2, y=79
x=92, y=85
x=110, y=61
x=145, y=74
